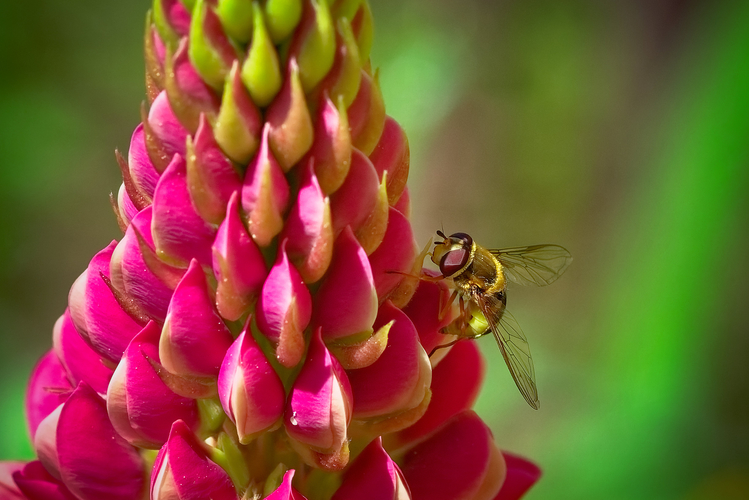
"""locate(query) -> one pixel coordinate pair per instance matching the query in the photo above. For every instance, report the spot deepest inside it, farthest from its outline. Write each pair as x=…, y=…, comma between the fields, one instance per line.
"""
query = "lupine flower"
x=259, y=331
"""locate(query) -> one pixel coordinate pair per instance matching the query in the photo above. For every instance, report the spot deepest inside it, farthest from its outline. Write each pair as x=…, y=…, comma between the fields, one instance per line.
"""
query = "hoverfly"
x=479, y=278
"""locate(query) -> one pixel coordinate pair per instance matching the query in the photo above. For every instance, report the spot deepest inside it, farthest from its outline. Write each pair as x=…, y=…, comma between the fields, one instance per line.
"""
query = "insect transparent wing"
x=539, y=265
x=513, y=345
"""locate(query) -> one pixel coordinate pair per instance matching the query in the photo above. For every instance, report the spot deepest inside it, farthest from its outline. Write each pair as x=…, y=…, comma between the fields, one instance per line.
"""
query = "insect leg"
x=449, y=344
x=444, y=308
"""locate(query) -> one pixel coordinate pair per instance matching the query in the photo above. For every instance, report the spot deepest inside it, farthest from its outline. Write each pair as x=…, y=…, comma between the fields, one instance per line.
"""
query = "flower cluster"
x=260, y=331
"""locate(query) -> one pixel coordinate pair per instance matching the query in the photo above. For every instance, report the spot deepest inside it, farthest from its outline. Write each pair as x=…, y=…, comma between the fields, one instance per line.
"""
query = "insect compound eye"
x=465, y=239
x=454, y=260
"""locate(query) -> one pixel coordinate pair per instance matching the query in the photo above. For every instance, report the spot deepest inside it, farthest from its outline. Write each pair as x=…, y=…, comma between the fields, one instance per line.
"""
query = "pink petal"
x=395, y=255
x=458, y=461
x=346, y=302
x=140, y=405
x=80, y=361
x=284, y=309
x=179, y=233
x=194, y=339
x=176, y=15
x=8, y=488
x=251, y=393
x=97, y=314
x=48, y=388
x=373, y=476
x=183, y=470
x=318, y=410
x=521, y=475
x=456, y=381
x=142, y=171
x=211, y=176
x=95, y=462
x=164, y=135
x=308, y=229
x=285, y=491
x=424, y=311
x=367, y=114
x=36, y=483
x=265, y=194
x=392, y=155
x=354, y=201
x=399, y=379
x=331, y=149
x=238, y=265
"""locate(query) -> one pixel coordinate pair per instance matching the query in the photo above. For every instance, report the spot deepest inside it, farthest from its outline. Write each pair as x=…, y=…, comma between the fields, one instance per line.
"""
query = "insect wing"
x=539, y=265
x=513, y=345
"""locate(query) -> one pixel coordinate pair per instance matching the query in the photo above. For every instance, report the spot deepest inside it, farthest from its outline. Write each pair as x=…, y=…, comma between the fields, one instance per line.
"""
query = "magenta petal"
x=8, y=488
x=399, y=379
x=456, y=381
x=318, y=411
x=458, y=461
x=521, y=475
x=392, y=155
x=396, y=253
x=127, y=210
x=183, y=470
x=97, y=314
x=166, y=127
x=80, y=361
x=265, y=194
x=35, y=483
x=211, y=177
x=284, y=309
x=373, y=476
x=238, y=265
x=48, y=388
x=250, y=391
x=95, y=462
x=176, y=15
x=285, y=491
x=308, y=229
x=142, y=171
x=140, y=405
x=195, y=339
x=346, y=302
x=139, y=273
x=357, y=197
x=424, y=311
x=179, y=233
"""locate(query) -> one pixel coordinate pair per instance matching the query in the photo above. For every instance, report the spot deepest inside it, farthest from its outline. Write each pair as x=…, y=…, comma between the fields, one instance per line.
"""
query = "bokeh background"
x=619, y=129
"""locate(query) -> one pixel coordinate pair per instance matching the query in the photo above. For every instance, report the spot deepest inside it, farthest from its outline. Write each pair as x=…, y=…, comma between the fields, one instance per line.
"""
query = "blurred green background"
x=619, y=129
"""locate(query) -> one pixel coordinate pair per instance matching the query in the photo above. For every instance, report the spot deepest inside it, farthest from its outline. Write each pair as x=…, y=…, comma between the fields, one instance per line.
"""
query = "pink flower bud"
x=456, y=381
x=331, y=149
x=251, y=393
x=238, y=265
x=318, y=410
x=367, y=114
x=79, y=360
x=97, y=314
x=141, y=168
x=392, y=155
x=352, y=204
x=291, y=130
x=211, y=176
x=346, y=302
x=373, y=476
x=164, y=135
x=458, y=461
x=139, y=274
x=308, y=231
x=35, y=483
x=189, y=96
x=140, y=405
x=284, y=310
x=285, y=491
x=265, y=194
x=424, y=311
x=82, y=440
x=183, y=470
x=194, y=339
x=397, y=384
x=9, y=489
x=394, y=256
x=48, y=388
x=342, y=81
x=179, y=233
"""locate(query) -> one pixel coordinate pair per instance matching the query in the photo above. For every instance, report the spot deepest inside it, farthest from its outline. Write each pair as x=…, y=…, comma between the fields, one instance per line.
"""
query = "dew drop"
x=293, y=419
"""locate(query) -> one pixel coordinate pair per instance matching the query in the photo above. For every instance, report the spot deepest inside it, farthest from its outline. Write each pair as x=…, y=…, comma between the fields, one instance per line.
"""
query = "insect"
x=479, y=278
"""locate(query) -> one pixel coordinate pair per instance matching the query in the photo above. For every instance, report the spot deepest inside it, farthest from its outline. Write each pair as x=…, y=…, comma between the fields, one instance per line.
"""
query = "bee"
x=479, y=279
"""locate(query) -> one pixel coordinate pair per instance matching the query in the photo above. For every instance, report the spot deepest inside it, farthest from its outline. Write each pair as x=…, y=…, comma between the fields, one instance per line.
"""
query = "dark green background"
x=619, y=129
